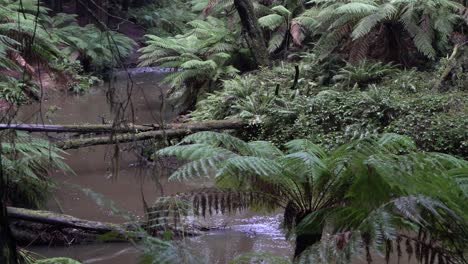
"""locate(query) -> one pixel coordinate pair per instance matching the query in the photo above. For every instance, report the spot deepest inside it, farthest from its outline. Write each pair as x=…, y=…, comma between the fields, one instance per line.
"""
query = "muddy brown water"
x=243, y=233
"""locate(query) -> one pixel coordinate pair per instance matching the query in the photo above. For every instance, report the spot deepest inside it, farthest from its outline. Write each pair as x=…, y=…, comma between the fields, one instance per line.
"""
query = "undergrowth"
x=333, y=103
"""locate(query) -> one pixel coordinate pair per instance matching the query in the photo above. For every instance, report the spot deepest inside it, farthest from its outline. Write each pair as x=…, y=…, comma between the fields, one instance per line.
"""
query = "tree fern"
x=364, y=188
x=202, y=54
x=428, y=23
x=285, y=27
x=26, y=162
x=100, y=49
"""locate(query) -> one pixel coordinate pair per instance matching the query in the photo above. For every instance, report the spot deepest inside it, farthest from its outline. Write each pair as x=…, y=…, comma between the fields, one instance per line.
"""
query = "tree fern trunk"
x=8, y=254
x=305, y=241
x=55, y=5
x=254, y=34
x=82, y=11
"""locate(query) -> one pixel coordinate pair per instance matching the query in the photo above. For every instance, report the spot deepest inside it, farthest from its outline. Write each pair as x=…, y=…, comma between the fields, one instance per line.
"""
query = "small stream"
x=243, y=233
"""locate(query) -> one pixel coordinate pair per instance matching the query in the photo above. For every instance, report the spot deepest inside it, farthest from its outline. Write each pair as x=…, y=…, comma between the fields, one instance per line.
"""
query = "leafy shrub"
x=400, y=102
x=437, y=122
x=21, y=37
x=424, y=24
x=363, y=73
x=285, y=27
x=253, y=95
x=97, y=50
x=203, y=53
x=409, y=81
x=332, y=118
x=26, y=162
x=373, y=188
x=72, y=73
x=164, y=18
x=13, y=91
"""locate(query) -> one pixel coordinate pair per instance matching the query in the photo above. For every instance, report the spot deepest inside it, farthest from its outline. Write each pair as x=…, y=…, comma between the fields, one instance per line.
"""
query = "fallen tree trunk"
x=91, y=128
x=174, y=130
x=110, y=128
x=49, y=228
x=64, y=221
x=31, y=227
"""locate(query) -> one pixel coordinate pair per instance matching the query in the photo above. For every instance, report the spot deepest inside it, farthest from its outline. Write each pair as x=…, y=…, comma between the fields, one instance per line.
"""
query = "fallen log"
x=174, y=130
x=49, y=228
x=91, y=128
x=64, y=221
x=110, y=128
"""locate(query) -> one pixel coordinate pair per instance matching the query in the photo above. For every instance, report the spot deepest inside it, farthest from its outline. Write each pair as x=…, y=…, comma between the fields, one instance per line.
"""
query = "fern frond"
x=271, y=21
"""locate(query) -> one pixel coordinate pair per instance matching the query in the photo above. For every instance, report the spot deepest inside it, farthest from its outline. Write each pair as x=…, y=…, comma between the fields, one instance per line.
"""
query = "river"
x=247, y=232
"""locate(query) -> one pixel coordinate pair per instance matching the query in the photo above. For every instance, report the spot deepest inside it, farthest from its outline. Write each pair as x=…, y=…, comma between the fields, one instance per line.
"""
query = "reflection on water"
x=243, y=233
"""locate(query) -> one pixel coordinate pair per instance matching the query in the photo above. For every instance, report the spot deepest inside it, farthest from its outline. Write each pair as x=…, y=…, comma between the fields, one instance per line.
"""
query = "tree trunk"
x=63, y=221
x=176, y=130
x=125, y=5
x=305, y=241
x=82, y=7
x=254, y=34
x=450, y=65
x=49, y=228
x=82, y=129
x=8, y=254
x=126, y=128
x=55, y=5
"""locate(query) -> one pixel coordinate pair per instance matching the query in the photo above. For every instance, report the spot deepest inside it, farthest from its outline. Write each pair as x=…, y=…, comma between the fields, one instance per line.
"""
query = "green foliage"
x=437, y=122
x=428, y=23
x=255, y=94
x=202, y=54
x=379, y=186
x=18, y=23
x=285, y=27
x=97, y=49
x=78, y=81
x=28, y=257
x=26, y=162
x=12, y=90
x=395, y=101
x=27, y=34
x=56, y=261
x=363, y=73
x=164, y=18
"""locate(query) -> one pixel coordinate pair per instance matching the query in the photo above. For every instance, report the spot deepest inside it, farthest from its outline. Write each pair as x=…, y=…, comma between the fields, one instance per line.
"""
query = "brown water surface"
x=92, y=167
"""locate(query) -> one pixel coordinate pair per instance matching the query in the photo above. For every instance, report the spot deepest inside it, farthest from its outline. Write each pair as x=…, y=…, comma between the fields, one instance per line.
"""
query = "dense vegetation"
x=358, y=113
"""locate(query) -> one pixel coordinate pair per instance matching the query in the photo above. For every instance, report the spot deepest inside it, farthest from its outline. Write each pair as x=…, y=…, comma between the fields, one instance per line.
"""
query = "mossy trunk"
x=8, y=254
x=305, y=241
x=253, y=32
x=172, y=131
